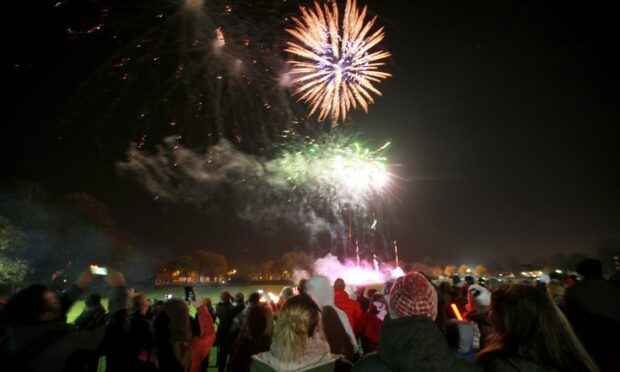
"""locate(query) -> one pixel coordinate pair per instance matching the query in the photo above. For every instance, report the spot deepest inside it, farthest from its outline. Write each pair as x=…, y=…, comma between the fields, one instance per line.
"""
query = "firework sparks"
x=333, y=64
x=344, y=172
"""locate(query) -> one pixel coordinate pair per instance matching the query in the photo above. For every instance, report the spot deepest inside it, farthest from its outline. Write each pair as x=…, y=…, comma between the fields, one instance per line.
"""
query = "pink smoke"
x=363, y=274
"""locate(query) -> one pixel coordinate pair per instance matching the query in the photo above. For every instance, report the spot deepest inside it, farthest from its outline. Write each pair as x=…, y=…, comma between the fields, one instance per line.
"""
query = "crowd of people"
x=411, y=324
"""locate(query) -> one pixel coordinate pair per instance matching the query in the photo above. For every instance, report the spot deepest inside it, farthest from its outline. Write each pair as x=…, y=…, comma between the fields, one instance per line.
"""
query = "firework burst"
x=334, y=66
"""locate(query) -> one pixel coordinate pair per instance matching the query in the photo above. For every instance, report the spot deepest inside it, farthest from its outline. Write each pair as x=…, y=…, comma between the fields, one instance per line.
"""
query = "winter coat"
x=350, y=307
x=412, y=344
x=496, y=362
x=593, y=309
x=225, y=312
x=336, y=334
x=49, y=346
x=322, y=292
x=371, y=331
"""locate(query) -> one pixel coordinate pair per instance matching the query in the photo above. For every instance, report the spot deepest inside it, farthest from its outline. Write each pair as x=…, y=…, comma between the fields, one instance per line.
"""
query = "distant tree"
x=480, y=270
x=12, y=269
x=449, y=270
x=293, y=260
x=184, y=265
x=210, y=263
x=421, y=267
x=463, y=269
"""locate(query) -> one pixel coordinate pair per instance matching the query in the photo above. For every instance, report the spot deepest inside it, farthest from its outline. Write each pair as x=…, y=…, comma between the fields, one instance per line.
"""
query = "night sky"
x=503, y=117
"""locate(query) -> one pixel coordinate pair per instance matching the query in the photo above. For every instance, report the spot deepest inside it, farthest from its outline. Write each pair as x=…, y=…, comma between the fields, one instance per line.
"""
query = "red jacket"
x=352, y=308
x=201, y=345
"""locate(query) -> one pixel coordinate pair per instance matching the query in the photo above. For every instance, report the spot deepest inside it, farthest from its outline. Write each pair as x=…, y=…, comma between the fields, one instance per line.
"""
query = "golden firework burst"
x=333, y=66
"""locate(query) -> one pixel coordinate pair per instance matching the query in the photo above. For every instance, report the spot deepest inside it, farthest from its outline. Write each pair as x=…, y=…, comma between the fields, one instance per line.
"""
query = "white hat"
x=480, y=295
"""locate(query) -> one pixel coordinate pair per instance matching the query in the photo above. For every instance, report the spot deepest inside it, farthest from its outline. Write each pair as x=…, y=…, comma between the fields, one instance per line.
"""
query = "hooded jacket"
x=412, y=344
x=321, y=290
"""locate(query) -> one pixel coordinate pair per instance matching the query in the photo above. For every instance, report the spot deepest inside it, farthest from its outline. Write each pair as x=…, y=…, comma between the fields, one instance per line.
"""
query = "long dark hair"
x=530, y=326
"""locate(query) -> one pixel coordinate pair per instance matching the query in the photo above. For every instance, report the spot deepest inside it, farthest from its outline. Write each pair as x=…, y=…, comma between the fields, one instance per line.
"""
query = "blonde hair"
x=296, y=324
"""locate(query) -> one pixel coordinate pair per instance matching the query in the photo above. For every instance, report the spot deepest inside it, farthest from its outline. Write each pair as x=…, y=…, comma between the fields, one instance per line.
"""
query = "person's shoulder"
x=498, y=362
x=370, y=362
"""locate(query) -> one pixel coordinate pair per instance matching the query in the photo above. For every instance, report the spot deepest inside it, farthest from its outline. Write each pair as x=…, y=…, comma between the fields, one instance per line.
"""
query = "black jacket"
x=412, y=344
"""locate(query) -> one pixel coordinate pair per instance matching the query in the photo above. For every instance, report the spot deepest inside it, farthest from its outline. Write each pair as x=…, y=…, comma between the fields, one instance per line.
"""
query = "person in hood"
x=297, y=344
x=532, y=334
x=38, y=337
x=335, y=323
x=352, y=308
x=478, y=305
x=410, y=339
x=593, y=308
x=93, y=315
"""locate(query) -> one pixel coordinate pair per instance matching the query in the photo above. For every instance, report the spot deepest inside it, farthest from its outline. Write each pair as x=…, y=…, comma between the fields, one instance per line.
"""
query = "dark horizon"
x=503, y=119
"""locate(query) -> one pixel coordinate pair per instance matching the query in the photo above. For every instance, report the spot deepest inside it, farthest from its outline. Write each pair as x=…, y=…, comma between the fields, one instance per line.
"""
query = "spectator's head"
x=239, y=298
x=297, y=322
x=590, y=268
x=359, y=291
x=469, y=280
x=478, y=297
x=445, y=288
x=225, y=297
x=172, y=322
x=556, y=289
x=92, y=301
x=371, y=292
x=339, y=284
x=413, y=295
x=259, y=324
x=301, y=287
x=286, y=293
x=139, y=303
x=319, y=287
x=456, y=279
x=31, y=305
x=254, y=298
x=530, y=326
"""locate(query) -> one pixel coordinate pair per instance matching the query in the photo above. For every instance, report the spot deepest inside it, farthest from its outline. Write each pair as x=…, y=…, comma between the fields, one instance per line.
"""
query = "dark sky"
x=504, y=118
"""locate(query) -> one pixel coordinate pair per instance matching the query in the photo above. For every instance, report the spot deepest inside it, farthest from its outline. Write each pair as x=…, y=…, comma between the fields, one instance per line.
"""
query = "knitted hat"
x=413, y=294
x=480, y=296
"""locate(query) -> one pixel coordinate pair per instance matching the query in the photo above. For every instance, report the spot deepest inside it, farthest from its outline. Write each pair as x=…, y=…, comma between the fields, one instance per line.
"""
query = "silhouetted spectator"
x=361, y=298
x=225, y=313
x=255, y=337
x=93, y=315
x=593, y=309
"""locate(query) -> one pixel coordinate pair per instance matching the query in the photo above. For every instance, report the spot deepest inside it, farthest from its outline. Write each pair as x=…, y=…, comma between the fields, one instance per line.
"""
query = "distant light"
x=558, y=271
